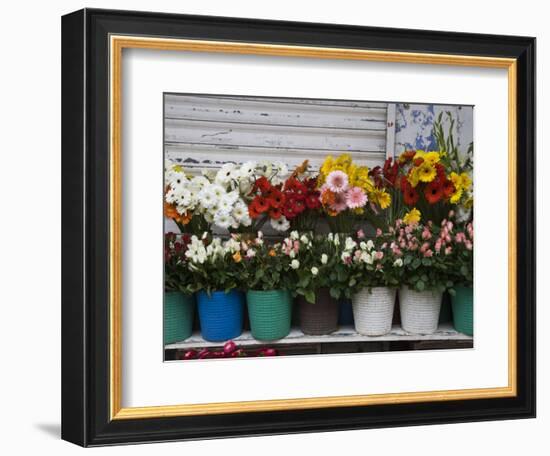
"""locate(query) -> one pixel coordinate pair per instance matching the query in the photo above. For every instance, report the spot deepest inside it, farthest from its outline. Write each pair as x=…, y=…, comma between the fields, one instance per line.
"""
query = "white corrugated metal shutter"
x=204, y=131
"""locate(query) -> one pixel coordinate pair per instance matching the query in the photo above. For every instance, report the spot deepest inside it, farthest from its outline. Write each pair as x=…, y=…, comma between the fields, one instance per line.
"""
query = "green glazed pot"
x=269, y=313
x=178, y=316
x=463, y=310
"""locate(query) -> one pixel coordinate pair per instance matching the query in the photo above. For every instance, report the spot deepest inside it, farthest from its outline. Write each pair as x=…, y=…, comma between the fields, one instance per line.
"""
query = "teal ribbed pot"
x=178, y=316
x=269, y=313
x=463, y=310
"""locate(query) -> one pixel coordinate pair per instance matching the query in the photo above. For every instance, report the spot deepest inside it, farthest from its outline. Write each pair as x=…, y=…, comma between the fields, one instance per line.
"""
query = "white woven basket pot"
x=373, y=312
x=419, y=310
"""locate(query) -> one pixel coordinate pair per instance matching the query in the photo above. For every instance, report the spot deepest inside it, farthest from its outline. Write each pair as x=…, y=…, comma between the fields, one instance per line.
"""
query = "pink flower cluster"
x=338, y=195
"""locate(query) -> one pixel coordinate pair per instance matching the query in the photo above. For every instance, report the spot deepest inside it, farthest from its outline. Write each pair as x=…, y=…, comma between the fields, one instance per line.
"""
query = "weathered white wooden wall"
x=205, y=130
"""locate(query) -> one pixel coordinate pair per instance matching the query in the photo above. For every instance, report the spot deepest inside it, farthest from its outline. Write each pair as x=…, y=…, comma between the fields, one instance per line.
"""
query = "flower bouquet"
x=293, y=203
x=196, y=203
x=348, y=194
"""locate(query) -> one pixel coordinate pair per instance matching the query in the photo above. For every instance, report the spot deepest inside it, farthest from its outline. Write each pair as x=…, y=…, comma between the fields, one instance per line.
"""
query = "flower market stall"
x=320, y=259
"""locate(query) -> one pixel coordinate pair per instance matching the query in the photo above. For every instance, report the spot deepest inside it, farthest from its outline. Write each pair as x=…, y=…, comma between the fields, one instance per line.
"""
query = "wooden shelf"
x=344, y=334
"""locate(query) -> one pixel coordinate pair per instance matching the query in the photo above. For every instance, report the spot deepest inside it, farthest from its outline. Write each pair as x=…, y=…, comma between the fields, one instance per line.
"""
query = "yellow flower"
x=426, y=172
x=419, y=154
x=413, y=177
x=469, y=203
x=381, y=197
x=237, y=257
x=455, y=198
x=412, y=217
x=177, y=168
x=431, y=157
x=466, y=181
x=326, y=167
x=361, y=178
x=343, y=161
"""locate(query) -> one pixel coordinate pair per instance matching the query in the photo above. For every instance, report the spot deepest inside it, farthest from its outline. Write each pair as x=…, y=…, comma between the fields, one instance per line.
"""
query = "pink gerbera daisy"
x=337, y=181
x=339, y=204
x=356, y=198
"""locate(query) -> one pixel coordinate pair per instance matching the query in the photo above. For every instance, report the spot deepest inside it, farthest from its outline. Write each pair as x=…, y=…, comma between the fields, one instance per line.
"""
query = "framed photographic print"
x=268, y=227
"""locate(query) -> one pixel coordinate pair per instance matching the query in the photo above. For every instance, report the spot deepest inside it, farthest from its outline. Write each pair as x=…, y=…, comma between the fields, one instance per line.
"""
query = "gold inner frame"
x=117, y=44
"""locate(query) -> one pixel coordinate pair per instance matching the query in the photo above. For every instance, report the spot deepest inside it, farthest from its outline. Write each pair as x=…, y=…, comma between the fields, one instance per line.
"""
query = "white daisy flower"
x=223, y=220
x=294, y=264
x=240, y=211
x=281, y=224
x=227, y=173
x=247, y=170
x=208, y=197
x=280, y=168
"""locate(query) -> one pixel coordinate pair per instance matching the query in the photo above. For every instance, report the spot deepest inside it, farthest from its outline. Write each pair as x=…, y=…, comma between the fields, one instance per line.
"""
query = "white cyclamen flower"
x=324, y=258
x=294, y=235
x=398, y=263
x=294, y=264
x=281, y=224
x=314, y=271
x=370, y=245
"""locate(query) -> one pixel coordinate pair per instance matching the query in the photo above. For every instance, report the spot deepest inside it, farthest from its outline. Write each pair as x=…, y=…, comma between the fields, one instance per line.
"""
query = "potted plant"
x=375, y=272
x=462, y=295
x=266, y=274
x=315, y=261
x=178, y=303
x=216, y=271
x=427, y=266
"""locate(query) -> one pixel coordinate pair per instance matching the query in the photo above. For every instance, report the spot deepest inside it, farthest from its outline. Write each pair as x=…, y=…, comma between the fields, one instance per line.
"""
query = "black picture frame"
x=85, y=228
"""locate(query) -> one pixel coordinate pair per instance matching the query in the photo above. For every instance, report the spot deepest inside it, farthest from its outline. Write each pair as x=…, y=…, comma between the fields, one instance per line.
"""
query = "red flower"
x=312, y=200
x=376, y=174
x=295, y=186
x=448, y=188
x=276, y=198
x=440, y=172
x=258, y=206
x=418, y=161
x=263, y=184
x=275, y=213
x=433, y=191
x=311, y=183
x=406, y=156
x=299, y=206
x=390, y=171
x=289, y=211
x=410, y=195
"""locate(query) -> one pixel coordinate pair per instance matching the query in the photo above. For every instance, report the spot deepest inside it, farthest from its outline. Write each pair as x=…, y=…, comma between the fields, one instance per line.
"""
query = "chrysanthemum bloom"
x=382, y=198
x=356, y=197
x=337, y=181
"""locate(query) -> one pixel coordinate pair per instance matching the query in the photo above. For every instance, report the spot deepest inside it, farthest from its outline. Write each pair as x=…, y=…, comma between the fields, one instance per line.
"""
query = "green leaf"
x=310, y=296
x=416, y=263
x=420, y=285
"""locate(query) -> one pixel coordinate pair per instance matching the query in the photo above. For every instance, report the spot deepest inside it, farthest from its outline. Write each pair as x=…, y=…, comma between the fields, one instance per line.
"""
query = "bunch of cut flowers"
x=293, y=203
x=349, y=194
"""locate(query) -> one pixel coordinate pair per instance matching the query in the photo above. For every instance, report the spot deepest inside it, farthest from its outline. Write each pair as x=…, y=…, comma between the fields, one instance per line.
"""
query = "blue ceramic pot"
x=220, y=314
